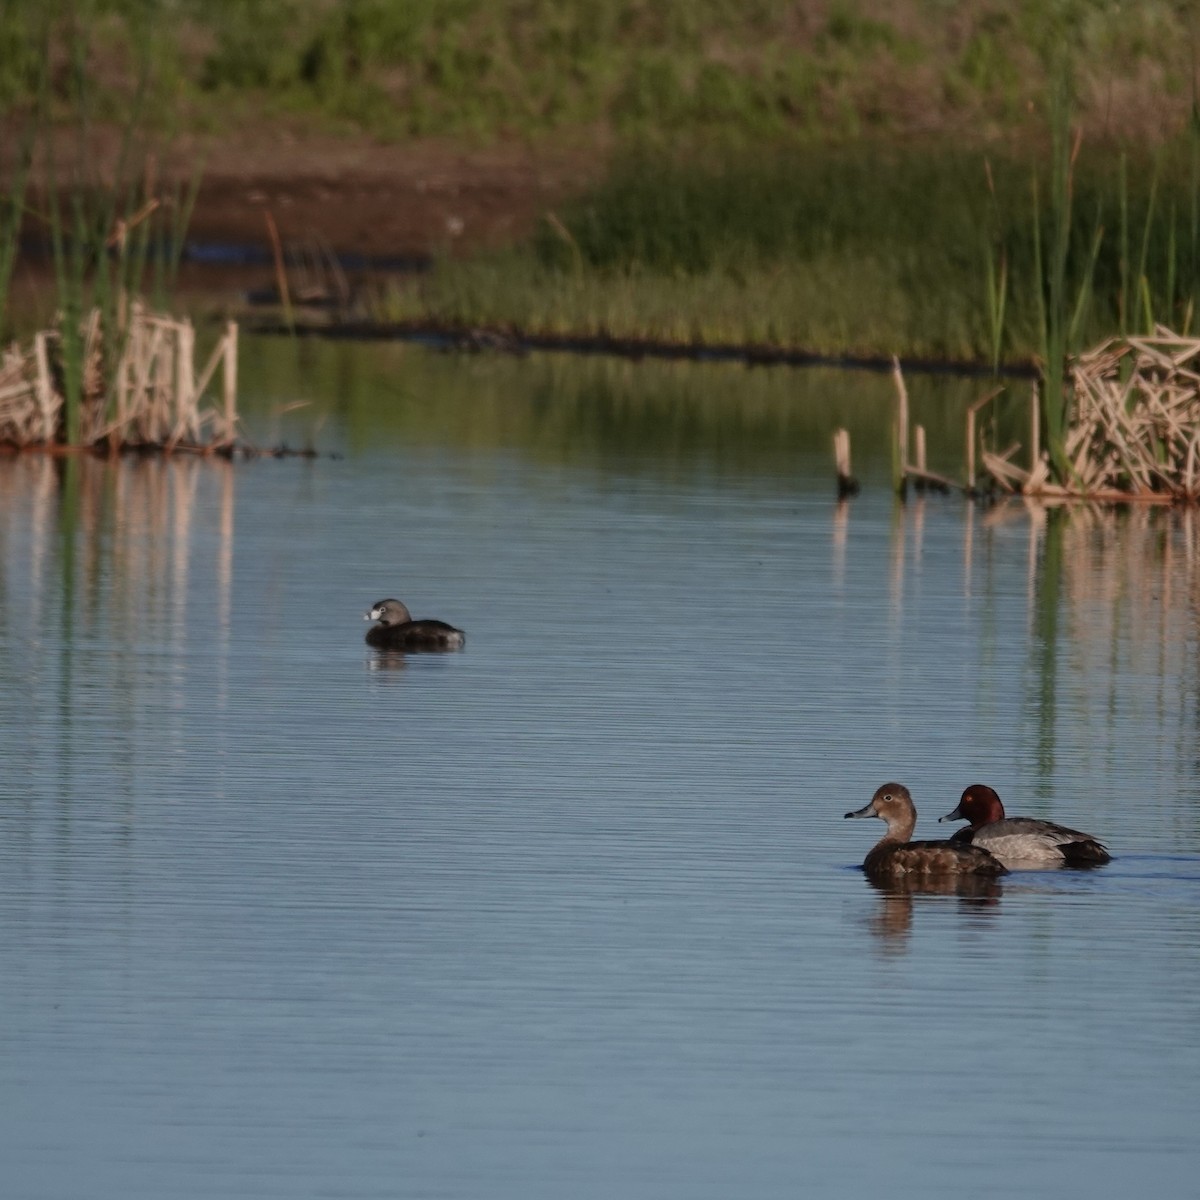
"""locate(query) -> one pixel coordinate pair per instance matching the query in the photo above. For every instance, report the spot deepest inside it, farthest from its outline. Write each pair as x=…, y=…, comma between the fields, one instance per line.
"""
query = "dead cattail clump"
x=138, y=389
x=1134, y=430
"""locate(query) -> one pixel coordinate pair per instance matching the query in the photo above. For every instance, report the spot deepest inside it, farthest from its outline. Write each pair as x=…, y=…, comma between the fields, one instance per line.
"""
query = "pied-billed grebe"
x=1022, y=841
x=894, y=856
x=398, y=631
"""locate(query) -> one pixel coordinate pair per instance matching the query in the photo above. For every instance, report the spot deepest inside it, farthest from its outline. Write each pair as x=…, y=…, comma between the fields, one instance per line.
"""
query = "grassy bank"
x=487, y=68
x=865, y=250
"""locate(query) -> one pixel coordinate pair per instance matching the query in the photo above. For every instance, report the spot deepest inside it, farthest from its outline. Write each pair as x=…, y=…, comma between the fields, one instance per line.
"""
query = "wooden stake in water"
x=231, y=351
x=847, y=485
x=971, y=440
x=900, y=443
x=1035, y=432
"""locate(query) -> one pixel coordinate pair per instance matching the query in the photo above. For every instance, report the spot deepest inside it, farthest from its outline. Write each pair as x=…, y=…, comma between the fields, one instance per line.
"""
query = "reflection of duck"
x=894, y=856
x=984, y=888
x=398, y=631
x=896, y=895
x=1021, y=841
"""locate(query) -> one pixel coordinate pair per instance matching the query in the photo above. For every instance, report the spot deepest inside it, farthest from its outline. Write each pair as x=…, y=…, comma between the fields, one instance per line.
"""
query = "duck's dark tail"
x=1085, y=853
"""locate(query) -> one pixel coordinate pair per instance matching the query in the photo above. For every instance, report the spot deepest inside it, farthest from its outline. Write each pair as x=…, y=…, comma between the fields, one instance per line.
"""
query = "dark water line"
x=229, y=254
x=479, y=338
x=476, y=338
x=234, y=254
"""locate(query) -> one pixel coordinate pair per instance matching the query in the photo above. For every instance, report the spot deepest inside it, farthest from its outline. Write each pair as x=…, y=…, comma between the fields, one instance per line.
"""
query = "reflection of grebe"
x=387, y=660
x=895, y=857
x=1021, y=841
x=398, y=631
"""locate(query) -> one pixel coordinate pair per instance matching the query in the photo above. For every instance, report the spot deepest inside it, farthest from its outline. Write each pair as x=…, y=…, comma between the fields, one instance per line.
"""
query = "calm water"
x=574, y=913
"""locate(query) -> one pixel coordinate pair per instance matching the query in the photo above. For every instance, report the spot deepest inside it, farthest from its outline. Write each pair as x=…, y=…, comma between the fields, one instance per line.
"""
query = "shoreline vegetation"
x=850, y=179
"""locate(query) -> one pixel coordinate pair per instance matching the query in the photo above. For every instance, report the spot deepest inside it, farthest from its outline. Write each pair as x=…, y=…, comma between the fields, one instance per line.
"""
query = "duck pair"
x=398, y=631
x=991, y=845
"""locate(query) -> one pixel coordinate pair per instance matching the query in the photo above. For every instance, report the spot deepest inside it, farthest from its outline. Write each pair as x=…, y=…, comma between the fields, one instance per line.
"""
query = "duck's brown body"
x=398, y=631
x=895, y=857
x=891, y=860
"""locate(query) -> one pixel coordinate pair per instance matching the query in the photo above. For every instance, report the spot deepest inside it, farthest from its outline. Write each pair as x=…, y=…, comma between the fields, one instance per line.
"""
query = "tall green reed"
x=12, y=215
x=1061, y=297
x=110, y=236
x=996, y=272
x=1087, y=284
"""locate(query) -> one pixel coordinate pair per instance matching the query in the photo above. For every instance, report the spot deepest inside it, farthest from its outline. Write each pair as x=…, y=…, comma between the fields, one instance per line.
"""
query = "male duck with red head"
x=895, y=857
x=1021, y=842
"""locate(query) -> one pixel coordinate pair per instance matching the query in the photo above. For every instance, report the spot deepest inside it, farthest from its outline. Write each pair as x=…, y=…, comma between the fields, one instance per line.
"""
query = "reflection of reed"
x=1121, y=587
x=120, y=535
x=1131, y=587
x=968, y=548
x=918, y=531
x=896, y=567
x=841, y=527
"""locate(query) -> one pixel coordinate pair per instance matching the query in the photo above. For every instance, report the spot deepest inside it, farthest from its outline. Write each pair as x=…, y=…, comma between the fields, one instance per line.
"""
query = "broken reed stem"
x=281, y=280
x=971, y=448
x=900, y=448
x=45, y=389
x=1035, y=420
x=972, y=440
x=230, y=389
x=847, y=485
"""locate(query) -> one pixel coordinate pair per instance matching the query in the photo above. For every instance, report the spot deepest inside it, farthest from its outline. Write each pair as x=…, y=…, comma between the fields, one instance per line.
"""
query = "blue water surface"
x=574, y=912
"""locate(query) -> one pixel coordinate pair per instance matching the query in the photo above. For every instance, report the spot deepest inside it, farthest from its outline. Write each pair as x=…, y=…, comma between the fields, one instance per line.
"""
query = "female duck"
x=398, y=631
x=1021, y=841
x=895, y=857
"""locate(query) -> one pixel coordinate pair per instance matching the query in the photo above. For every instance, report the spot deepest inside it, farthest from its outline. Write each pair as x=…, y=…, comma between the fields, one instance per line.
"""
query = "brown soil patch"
x=358, y=195
x=369, y=198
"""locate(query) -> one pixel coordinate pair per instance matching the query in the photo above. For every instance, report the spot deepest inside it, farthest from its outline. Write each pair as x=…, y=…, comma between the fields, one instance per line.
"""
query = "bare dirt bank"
x=377, y=199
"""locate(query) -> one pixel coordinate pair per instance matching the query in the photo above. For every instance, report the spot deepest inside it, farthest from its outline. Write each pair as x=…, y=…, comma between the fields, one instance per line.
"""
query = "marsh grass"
x=828, y=251
x=99, y=238
x=869, y=250
x=1086, y=283
x=112, y=240
x=821, y=308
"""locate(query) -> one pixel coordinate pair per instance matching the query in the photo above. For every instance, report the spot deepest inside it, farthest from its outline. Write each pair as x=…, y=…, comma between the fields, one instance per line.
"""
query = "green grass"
x=866, y=250
x=830, y=251
x=488, y=68
x=819, y=307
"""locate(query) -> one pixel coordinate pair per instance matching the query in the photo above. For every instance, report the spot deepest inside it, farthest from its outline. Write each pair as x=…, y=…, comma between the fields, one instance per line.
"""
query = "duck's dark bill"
x=867, y=810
